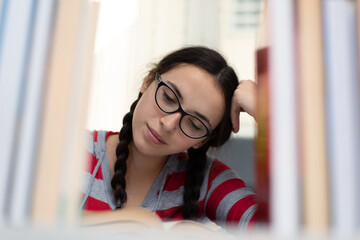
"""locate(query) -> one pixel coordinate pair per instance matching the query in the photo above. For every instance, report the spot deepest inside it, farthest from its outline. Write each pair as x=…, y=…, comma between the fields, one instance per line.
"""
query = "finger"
x=234, y=115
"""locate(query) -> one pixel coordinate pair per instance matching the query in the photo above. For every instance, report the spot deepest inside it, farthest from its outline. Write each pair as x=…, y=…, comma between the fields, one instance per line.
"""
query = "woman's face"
x=158, y=133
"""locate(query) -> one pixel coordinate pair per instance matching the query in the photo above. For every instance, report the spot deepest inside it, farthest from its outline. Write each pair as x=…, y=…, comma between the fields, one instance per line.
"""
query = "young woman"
x=158, y=160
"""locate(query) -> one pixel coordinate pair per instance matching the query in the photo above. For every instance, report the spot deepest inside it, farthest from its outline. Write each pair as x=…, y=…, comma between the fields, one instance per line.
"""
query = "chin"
x=144, y=147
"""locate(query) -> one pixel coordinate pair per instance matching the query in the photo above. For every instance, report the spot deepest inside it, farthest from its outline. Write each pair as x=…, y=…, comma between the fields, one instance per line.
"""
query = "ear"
x=200, y=144
x=147, y=81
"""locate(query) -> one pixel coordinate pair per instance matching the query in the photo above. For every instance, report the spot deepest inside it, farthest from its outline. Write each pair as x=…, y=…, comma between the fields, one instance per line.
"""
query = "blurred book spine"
x=46, y=54
x=262, y=144
x=342, y=112
x=17, y=24
x=284, y=164
x=262, y=181
x=308, y=117
x=30, y=123
x=56, y=188
x=311, y=98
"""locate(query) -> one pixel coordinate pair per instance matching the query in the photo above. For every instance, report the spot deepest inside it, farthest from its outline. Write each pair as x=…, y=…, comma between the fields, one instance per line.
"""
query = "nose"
x=170, y=122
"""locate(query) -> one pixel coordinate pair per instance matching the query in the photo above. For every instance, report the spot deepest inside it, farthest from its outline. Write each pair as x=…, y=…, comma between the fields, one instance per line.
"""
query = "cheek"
x=139, y=116
x=145, y=108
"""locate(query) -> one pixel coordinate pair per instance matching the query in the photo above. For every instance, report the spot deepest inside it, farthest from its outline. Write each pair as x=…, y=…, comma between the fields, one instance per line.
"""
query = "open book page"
x=140, y=223
x=128, y=221
x=187, y=229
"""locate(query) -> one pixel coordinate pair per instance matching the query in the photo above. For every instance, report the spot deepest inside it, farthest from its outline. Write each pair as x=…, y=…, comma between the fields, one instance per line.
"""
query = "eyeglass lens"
x=169, y=103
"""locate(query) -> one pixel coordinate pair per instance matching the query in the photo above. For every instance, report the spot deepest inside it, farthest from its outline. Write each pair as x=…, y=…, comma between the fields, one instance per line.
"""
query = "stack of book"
x=309, y=116
x=46, y=49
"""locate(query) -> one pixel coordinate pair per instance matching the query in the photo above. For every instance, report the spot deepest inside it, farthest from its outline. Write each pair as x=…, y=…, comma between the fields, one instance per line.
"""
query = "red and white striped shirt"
x=224, y=197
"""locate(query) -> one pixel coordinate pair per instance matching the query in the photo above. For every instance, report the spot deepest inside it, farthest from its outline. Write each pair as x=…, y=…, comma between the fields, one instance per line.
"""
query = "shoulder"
x=95, y=145
x=91, y=137
x=96, y=140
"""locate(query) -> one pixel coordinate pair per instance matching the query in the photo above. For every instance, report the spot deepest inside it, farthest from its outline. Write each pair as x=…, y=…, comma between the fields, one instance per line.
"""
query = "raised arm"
x=244, y=100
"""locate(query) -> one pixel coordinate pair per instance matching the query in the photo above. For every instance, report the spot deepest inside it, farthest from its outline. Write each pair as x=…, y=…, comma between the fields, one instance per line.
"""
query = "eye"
x=168, y=99
x=193, y=125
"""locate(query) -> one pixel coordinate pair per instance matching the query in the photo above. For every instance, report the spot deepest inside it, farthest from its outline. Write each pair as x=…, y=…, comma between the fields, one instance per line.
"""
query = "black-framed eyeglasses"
x=168, y=102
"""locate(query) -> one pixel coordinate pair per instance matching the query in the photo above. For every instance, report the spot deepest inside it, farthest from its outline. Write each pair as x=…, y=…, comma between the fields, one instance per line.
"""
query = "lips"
x=154, y=136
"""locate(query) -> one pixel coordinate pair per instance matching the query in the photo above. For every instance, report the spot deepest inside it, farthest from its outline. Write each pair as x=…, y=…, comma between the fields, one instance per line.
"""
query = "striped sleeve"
x=229, y=202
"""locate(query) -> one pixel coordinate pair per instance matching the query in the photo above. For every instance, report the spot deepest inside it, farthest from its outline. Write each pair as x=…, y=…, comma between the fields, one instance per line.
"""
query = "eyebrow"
x=203, y=118
x=177, y=91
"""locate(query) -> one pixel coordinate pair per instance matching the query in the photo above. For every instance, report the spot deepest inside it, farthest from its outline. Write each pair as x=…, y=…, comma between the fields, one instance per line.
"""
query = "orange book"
x=311, y=93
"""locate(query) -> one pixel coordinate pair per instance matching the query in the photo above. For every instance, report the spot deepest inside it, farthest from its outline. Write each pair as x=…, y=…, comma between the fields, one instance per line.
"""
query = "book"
x=60, y=151
x=75, y=158
x=29, y=126
x=139, y=223
x=342, y=112
x=284, y=183
x=311, y=99
x=17, y=22
x=262, y=154
x=262, y=142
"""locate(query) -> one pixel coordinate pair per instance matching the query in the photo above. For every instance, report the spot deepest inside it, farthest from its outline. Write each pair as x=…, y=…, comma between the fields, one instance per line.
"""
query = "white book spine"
x=30, y=125
x=14, y=53
x=343, y=110
x=284, y=184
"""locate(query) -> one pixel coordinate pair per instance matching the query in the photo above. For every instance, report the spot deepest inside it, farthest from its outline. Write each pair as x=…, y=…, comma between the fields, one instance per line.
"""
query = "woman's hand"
x=244, y=100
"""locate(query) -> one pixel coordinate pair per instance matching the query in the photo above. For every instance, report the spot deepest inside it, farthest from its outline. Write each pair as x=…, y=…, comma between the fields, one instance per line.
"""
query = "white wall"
x=132, y=34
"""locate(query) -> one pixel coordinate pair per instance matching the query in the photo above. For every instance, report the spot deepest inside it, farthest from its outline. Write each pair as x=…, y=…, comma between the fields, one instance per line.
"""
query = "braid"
x=118, y=182
x=193, y=181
